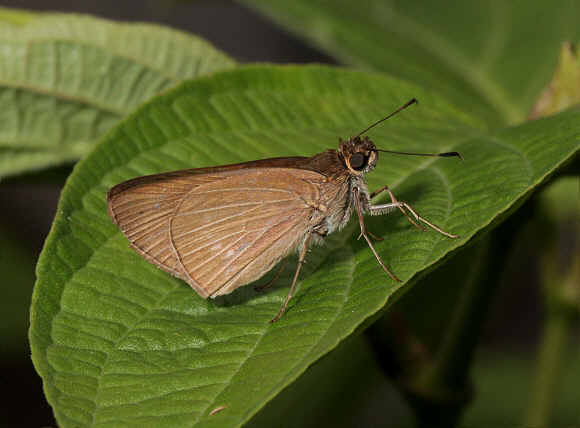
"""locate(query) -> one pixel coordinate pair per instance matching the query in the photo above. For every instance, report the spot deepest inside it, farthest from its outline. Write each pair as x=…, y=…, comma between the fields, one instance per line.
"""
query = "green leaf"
x=490, y=58
x=118, y=341
x=66, y=79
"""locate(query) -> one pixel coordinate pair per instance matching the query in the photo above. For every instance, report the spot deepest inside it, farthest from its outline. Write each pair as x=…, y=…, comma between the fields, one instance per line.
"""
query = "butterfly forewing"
x=218, y=230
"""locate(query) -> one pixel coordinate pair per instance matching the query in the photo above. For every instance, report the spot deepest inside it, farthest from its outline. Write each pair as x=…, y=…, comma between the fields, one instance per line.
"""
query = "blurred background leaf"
x=66, y=79
x=474, y=53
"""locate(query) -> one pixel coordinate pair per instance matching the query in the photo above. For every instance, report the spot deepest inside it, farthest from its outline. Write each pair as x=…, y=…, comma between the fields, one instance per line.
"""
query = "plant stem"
x=560, y=278
x=549, y=370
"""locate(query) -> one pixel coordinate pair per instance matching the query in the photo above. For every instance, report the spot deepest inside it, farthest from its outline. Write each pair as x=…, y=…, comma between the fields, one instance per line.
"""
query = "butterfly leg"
x=372, y=195
x=363, y=232
x=385, y=208
x=301, y=257
x=393, y=199
x=376, y=238
x=273, y=280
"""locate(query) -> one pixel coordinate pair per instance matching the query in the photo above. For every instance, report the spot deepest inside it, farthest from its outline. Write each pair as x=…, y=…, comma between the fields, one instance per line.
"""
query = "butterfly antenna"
x=442, y=155
x=413, y=101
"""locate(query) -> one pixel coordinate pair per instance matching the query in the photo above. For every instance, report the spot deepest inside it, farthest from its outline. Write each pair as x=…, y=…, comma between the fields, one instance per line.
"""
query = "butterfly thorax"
x=336, y=191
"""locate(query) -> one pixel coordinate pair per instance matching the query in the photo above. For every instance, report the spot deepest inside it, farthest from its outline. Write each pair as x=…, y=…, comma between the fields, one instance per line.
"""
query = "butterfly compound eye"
x=357, y=161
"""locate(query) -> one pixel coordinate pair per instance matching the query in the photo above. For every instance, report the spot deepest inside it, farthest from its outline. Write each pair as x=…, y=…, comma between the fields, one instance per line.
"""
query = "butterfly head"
x=360, y=155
